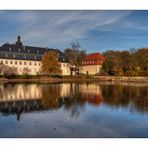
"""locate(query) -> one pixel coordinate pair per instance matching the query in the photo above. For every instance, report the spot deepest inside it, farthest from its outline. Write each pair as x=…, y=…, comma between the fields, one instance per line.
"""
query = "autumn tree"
x=50, y=64
x=126, y=63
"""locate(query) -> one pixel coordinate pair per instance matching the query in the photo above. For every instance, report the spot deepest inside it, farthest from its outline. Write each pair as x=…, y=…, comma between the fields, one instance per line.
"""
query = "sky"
x=96, y=31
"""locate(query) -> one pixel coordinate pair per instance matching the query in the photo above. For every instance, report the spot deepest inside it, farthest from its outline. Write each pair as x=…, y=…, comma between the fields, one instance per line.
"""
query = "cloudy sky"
x=94, y=30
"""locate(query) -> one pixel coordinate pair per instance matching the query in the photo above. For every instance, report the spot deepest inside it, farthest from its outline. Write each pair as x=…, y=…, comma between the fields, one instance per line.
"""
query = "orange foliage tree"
x=50, y=64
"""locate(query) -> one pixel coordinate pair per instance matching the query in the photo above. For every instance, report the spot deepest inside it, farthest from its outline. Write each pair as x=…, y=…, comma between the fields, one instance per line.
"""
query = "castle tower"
x=18, y=42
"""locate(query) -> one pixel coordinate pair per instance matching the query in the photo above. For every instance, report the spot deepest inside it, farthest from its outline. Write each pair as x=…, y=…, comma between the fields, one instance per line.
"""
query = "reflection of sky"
x=100, y=121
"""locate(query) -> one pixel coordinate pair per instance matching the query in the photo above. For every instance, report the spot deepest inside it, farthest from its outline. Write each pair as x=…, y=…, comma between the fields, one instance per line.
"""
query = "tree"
x=26, y=71
x=126, y=63
x=75, y=54
x=7, y=70
x=50, y=64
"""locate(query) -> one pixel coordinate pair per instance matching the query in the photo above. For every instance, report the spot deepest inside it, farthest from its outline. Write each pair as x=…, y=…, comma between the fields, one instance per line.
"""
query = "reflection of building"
x=19, y=92
x=65, y=89
x=91, y=64
x=28, y=58
x=91, y=93
x=18, y=98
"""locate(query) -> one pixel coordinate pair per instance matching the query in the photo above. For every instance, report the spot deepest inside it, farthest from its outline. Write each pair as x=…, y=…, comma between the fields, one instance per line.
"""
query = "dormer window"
x=13, y=55
x=6, y=55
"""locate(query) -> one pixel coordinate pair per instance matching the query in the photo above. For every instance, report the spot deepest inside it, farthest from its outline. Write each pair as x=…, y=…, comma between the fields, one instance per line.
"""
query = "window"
x=34, y=57
x=24, y=63
x=6, y=62
x=19, y=50
x=28, y=50
x=6, y=55
x=1, y=61
x=15, y=62
x=29, y=63
x=9, y=49
x=13, y=55
x=35, y=63
x=20, y=63
x=37, y=51
x=11, y=62
x=24, y=56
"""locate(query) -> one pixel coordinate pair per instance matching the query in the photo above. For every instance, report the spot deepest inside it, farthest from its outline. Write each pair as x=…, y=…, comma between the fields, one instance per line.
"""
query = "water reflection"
x=73, y=97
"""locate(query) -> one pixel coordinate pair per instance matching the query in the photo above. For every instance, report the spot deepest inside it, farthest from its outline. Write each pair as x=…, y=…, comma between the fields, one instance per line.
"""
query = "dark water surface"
x=74, y=110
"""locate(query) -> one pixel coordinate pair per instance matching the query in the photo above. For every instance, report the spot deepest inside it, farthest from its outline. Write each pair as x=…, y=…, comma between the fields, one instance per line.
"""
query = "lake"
x=74, y=110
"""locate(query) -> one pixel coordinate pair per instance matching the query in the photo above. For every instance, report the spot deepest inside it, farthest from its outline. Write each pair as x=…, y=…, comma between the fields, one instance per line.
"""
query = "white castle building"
x=21, y=57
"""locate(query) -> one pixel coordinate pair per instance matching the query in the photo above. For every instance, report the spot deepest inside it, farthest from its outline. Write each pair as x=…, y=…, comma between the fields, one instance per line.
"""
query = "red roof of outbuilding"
x=93, y=59
x=93, y=56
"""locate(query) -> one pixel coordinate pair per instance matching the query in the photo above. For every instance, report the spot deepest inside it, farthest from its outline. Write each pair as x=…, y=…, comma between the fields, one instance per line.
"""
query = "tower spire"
x=18, y=42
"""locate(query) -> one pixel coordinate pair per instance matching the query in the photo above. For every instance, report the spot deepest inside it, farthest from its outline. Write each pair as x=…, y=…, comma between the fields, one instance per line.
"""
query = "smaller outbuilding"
x=91, y=64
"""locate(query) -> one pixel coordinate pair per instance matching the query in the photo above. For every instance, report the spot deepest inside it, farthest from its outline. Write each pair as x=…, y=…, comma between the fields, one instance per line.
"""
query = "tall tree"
x=75, y=54
x=50, y=64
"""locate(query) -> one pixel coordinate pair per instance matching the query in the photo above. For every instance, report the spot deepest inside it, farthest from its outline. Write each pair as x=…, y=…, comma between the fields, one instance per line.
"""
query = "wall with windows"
x=65, y=67
x=90, y=69
x=32, y=67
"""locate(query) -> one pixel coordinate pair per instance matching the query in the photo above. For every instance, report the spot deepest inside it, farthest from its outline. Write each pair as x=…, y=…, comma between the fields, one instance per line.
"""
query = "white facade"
x=34, y=67
x=90, y=69
x=65, y=67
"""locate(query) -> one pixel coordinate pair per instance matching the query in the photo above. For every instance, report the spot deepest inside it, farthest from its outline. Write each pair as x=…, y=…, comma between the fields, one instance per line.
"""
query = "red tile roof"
x=93, y=59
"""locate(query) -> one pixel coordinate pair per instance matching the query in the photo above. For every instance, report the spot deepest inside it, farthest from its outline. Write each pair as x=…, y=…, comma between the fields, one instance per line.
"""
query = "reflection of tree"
x=50, y=95
x=73, y=98
x=121, y=95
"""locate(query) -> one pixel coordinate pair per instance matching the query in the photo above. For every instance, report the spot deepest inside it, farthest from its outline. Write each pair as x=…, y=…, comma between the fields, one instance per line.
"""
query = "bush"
x=56, y=76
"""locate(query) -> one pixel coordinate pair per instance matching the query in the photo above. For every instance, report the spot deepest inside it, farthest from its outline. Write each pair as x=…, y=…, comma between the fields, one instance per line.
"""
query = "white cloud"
x=50, y=27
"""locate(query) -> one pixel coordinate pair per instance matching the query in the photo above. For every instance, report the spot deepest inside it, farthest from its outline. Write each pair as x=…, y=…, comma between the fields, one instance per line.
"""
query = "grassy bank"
x=78, y=78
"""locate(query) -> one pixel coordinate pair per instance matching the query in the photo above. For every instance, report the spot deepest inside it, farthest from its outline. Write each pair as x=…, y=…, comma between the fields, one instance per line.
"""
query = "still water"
x=74, y=110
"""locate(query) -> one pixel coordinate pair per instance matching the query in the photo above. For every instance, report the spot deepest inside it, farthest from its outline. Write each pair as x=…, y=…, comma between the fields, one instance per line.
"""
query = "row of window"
x=20, y=63
x=88, y=62
x=19, y=50
x=14, y=56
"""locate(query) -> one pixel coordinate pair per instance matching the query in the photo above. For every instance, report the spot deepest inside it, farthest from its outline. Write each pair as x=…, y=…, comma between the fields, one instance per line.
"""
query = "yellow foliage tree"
x=50, y=64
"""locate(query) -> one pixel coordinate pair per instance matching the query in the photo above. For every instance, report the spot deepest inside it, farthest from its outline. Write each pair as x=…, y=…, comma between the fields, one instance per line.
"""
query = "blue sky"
x=96, y=31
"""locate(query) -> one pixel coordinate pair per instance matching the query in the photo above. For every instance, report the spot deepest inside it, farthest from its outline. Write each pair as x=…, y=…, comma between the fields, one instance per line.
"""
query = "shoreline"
x=75, y=79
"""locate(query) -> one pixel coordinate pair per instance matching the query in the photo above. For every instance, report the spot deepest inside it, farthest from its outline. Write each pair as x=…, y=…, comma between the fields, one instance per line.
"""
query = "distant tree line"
x=126, y=63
